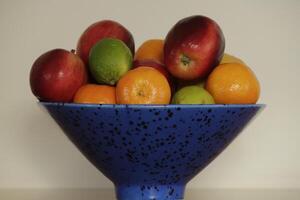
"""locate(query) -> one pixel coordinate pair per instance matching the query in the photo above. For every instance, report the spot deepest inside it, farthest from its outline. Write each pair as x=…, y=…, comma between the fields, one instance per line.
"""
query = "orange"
x=151, y=50
x=95, y=94
x=143, y=85
x=233, y=83
x=227, y=58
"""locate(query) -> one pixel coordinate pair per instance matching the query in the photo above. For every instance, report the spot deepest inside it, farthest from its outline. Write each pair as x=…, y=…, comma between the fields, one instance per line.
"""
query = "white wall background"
x=265, y=34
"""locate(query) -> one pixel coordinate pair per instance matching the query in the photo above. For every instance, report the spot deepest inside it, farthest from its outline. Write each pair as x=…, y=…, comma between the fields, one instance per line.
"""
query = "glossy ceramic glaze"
x=151, y=152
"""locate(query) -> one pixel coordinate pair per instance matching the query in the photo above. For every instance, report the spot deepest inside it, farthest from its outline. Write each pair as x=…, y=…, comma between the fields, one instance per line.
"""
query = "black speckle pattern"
x=151, y=152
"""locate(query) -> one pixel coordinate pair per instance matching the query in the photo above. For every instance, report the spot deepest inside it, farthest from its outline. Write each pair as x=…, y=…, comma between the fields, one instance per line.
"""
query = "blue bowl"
x=151, y=151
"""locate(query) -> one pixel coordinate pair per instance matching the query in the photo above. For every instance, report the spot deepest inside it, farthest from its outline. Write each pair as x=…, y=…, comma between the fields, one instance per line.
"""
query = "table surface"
x=191, y=194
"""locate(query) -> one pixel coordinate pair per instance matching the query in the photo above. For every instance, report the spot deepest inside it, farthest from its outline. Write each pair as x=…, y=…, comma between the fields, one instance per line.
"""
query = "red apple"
x=100, y=30
x=157, y=65
x=193, y=47
x=57, y=75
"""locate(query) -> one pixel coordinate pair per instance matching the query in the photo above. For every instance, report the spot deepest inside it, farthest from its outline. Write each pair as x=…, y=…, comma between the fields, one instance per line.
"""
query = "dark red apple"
x=157, y=65
x=193, y=47
x=100, y=30
x=151, y=63
x=57, y=75
x=179, y=83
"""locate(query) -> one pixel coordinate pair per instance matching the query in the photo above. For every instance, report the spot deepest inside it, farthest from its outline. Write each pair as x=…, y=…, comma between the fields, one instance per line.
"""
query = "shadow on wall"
x=48, y=156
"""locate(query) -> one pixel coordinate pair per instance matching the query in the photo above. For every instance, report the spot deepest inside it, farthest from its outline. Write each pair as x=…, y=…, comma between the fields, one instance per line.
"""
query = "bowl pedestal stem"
x=150, y=192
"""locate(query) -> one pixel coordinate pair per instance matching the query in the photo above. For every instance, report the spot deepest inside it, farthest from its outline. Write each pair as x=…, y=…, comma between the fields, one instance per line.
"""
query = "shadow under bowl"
x=150, y=152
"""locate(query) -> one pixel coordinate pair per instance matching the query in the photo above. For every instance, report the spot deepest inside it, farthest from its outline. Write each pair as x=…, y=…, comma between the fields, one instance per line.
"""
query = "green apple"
x=109, y=60
x=192, y=95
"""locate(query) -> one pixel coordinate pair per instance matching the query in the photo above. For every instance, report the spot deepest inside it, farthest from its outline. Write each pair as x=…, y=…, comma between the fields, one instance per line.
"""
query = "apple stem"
x=185, y=60
x=73, y=51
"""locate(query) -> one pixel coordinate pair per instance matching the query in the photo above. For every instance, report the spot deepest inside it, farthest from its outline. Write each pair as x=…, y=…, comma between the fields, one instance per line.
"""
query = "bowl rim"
x=44, y=103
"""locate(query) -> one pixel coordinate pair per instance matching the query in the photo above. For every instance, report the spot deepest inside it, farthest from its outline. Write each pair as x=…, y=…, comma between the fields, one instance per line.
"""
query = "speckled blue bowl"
x=151, y=152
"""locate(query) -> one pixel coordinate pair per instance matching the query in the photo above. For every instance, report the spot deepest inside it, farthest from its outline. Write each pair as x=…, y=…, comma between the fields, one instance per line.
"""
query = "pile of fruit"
x=188, y=67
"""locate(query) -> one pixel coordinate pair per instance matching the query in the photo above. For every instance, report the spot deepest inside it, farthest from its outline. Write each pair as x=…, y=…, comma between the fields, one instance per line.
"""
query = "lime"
x=109, y=60
x=192, y=95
